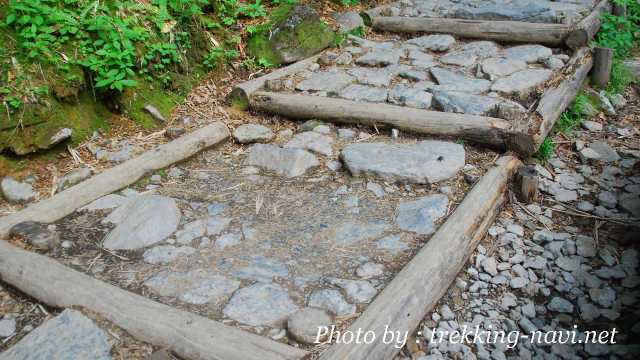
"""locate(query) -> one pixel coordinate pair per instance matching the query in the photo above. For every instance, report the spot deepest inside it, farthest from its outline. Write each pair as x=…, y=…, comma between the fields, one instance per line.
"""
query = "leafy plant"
x=545, y=152
x=572, y=118
x=253, y=11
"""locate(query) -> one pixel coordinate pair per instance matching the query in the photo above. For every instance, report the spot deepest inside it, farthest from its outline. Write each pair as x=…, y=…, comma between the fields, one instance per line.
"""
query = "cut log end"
x=577, y=39
x=526, y=184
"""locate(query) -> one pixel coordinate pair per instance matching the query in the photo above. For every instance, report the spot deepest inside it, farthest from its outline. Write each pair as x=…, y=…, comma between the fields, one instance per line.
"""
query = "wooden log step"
x=420, y=284
x=188, y=335
x=117, y=177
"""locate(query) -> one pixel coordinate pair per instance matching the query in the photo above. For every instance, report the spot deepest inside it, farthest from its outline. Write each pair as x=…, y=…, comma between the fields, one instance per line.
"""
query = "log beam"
x=418, y=286
x=117, y=177
x=188, y=335
x=507, y=31
x=485, y=130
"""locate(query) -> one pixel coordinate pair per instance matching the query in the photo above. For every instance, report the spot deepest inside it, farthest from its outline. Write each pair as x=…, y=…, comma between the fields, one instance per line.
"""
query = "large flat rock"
x=69, y=335
x=260, y=304
x=420, y=215
x=330, y=81
x=143, y=221
x=290, y=162
x=522, y=83
x=421, y=163
x=457, y=81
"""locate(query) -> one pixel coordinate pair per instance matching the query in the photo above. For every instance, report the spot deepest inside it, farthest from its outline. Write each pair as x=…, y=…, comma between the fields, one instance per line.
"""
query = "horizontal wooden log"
x=485, y=130
x=588, y=27
x=117, y=177
x=188, y=335
x=240, y=94
x=507, y=31
x=420, y=284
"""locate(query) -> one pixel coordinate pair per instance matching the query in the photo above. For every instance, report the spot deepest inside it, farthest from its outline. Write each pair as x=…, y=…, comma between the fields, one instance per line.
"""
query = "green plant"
x=218, y=55
x=546, y=149
x=349, y=2
x=573, y=116
x=620, y=33
x=253, y=11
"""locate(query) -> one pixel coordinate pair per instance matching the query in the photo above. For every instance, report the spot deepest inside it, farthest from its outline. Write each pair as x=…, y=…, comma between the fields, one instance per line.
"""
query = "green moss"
x=83, y=117
x=281, y=43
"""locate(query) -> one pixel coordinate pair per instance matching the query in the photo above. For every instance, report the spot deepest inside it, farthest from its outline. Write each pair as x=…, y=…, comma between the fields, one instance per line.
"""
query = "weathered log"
x=526, y=184
x=188, y=335
x=531, y=132
x=587, y=28
x=241, y=93
x=602, y=63
x=508, y=31
x=485, y=130
x=420, y=284
x=117, y=177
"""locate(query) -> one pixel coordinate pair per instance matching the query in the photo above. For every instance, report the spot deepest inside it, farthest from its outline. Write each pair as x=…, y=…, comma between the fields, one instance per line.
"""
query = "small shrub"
x=545, y=152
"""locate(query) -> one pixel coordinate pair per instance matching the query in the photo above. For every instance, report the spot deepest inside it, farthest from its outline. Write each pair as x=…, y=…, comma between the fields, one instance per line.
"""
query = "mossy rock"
x=296, y=35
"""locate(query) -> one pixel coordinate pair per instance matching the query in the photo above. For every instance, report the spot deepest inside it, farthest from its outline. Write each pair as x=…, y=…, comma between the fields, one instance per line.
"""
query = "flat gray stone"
x=604, y=297
x=392, y=243
x=216, y=224
x=330, y=81
x=459, y=58
x=331, y=300
x=409, y=96
x=69, y=335
x=7, y=326
x=263, y=269
x=420, y=216
x=374, y=77
x=227, y=240
x=421, y=59
x=433, y=42
x=304, y=325
x=561, y=305
x=16, y=191
x=605, y=151
x=359, y=291
x=425, y=162
x=380, y=57
x=364, y=93
x=457, y=81
x=212, y=290
x=414, y=74
x=146, y=220
x=288, y=162
x=630, y=203
x=500, y=67
x=36, y=234
x=528, y=53
x=481, y=49
x=312, y=141
x=370, y=270
x=348, y=21
x=196, y=286
x=260, y=305
x=165, y=254
x=250, y=133
x=522, y=83
x=354, y=232
x=106, y=202
x=466, y=103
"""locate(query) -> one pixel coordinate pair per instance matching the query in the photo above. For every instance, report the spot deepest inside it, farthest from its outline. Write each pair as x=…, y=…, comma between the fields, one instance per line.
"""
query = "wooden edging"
x=187, y=335
x=574, y=37
x=553, y=103
x=507, y=31
x=416, y=289
x=482, y=129
x=117, y=177
x=240, y=94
